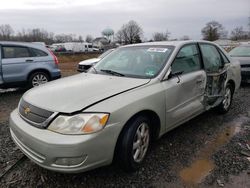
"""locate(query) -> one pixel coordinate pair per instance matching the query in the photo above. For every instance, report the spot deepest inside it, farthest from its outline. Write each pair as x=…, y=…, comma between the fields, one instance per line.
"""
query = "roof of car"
x=29, y=44
x=245, y=45
x=169, y=43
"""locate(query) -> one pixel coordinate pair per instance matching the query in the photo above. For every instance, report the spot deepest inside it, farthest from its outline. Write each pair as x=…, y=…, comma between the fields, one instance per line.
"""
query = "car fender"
x=234, y=73
x=150, y=97
x=37, y=67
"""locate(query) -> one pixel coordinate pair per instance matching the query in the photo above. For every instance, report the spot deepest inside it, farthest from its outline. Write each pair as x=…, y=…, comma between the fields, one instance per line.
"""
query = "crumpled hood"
x=74, y=93
x=89, y=61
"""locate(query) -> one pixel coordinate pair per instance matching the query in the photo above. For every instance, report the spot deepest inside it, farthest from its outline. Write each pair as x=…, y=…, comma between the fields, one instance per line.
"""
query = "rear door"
x=15, y=60
x=216, y=74
x=41, y=56
x=185, y=93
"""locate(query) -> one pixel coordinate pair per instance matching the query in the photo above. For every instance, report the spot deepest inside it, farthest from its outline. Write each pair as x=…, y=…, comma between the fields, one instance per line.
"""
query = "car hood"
x=89, y=61
x=242, y=60
x=77, y=92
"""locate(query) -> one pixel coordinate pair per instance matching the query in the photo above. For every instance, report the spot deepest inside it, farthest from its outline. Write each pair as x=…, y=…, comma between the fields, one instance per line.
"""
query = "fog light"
x=70, y=161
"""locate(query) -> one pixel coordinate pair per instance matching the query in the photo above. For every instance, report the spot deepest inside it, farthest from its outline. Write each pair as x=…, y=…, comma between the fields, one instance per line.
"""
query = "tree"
x=6, y=31
x=130, y=33
x=119, y=36
x=238, y=33
x=213, y=31
x=80, y=39
x=137, y=39
x=89, y=39
x=249, y=27
x=161, y=36
x=249, y=23
x=64, y=38
x=35, y=35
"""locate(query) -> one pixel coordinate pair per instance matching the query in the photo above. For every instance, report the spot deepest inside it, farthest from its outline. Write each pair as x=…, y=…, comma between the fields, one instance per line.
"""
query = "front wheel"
x=134, y=144
x=224, y=106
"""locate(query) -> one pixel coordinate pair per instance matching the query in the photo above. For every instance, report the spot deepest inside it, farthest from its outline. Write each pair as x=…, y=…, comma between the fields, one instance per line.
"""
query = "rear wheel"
x=134, y=144
x=38, y=78
x=224, y=106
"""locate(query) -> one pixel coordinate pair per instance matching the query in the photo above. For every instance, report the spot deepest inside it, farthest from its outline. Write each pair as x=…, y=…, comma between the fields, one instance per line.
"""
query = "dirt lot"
x=204, y=152
x=68, y=63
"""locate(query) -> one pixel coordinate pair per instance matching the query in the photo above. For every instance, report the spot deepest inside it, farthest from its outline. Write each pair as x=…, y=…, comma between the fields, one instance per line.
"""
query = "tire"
x=134, y=144
x=37, y=79
x=225, y=104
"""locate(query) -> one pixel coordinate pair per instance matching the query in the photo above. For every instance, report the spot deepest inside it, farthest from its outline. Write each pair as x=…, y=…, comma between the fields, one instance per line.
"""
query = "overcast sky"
x=82, y=17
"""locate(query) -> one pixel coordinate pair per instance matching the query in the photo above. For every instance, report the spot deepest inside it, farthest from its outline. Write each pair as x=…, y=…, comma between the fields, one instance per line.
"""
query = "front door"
x=185, y=93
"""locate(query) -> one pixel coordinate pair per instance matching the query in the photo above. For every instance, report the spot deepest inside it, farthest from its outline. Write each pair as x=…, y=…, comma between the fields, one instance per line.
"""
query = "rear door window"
x=38, y=53
x=211, y=58
x=15, y=52
x=187, y=60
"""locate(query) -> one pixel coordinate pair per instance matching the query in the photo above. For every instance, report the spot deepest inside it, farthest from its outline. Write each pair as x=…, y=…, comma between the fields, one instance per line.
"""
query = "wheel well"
x=231, y=82
x=154, y=121
x=155, y=126
x=39, y=70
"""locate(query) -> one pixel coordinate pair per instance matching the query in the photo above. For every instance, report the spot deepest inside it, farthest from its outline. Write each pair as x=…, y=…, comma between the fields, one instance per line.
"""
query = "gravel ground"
x=212, y=141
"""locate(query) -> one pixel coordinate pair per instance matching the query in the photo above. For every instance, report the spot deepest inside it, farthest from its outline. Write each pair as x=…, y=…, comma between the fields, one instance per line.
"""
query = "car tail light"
x=55, y=58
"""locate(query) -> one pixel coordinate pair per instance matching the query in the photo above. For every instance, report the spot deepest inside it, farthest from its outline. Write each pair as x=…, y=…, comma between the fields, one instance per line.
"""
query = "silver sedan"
x=131, y=97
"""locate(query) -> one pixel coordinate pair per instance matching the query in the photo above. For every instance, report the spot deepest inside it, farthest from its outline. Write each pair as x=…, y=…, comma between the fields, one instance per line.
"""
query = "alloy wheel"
x=227, y=98
x=141, y=142
x=39, y=79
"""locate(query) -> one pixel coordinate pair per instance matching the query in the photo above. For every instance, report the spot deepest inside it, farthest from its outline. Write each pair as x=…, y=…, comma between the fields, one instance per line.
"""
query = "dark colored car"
x=242, y=54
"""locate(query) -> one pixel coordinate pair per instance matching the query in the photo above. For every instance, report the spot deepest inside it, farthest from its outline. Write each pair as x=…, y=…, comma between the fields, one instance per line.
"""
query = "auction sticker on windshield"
x=157, y=50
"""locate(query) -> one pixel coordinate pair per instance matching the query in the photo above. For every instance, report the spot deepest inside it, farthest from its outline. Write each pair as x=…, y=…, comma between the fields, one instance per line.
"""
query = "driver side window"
x=187, y=60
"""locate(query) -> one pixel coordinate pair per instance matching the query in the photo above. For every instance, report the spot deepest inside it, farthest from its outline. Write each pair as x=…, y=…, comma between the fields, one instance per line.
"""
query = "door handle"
x=29, y=60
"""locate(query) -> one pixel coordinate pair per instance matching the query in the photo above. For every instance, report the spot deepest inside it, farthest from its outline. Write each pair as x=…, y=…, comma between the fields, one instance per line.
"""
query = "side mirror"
x=173, y=74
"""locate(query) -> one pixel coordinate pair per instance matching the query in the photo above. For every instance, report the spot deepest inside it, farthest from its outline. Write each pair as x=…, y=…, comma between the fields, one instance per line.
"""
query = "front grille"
x=245, y=66
x=32, y=113
x=84, y=67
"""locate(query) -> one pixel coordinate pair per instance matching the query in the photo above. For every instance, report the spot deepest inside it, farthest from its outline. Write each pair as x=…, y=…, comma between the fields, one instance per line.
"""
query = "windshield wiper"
x=112, y=72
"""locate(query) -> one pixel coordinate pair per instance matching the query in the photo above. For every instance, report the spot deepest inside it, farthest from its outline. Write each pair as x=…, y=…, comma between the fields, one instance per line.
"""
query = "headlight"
x=79, y=124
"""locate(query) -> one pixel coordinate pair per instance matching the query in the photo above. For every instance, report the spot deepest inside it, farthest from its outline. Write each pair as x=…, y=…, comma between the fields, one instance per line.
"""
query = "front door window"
x=187, y=60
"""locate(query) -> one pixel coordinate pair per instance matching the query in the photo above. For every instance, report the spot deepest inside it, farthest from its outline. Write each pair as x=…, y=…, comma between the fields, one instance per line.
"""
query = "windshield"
x=138, y=62
x=241, y=51
x=105, y=53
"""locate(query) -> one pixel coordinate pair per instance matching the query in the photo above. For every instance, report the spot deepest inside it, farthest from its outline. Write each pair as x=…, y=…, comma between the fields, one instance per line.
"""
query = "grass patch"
x=69, y=58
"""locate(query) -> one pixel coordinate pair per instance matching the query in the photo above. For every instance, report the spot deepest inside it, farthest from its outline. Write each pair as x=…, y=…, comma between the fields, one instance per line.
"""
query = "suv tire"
x=37, y=79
